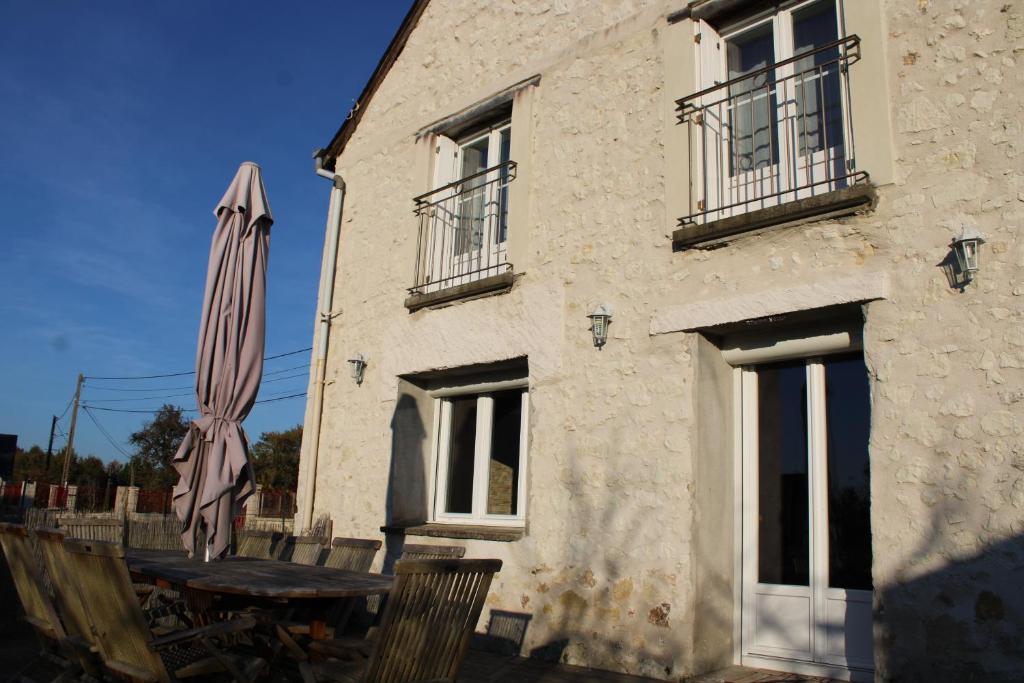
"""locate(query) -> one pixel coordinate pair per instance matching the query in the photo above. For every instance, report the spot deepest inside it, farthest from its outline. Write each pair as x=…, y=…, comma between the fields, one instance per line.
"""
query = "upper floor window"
x=772, y=119
x=464, y=222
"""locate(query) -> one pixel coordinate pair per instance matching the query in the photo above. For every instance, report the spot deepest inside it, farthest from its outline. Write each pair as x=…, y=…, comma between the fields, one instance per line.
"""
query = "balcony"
x=461, y=247
x=773, y=146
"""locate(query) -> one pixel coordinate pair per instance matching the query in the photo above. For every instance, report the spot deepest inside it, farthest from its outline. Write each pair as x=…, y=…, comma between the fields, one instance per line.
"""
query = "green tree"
x=155, y=446
x=275, y=458
x=30, y=465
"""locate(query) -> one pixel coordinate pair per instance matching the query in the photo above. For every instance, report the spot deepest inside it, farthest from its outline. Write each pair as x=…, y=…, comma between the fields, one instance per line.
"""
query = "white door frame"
x=745, y=563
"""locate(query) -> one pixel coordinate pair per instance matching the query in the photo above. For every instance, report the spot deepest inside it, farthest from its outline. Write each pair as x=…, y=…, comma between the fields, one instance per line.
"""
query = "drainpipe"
x=325, y=315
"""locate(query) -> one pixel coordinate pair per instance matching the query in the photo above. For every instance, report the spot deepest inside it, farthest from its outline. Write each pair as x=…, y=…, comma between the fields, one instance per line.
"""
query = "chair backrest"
x=353, y=554
x=28, y=581
x=302, y=549
x=262, y=545
x=92, y=528
x=412, y=551
x=117, y=620
x=65, y=589
x=159, y=532
x=431, y=612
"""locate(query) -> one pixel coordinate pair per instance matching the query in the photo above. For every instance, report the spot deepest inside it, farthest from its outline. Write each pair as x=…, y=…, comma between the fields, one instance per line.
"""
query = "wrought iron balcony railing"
x=772, y=136
x=463, y=230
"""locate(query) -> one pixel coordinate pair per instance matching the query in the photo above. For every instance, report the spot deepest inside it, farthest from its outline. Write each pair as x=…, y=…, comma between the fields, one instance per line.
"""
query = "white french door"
x=806, y=569
x=481, y=213
x=780, y=127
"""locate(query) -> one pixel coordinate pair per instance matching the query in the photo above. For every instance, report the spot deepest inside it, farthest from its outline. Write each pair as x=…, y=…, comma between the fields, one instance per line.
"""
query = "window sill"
x=496, y=284
x=844, y=202
x=464, y=531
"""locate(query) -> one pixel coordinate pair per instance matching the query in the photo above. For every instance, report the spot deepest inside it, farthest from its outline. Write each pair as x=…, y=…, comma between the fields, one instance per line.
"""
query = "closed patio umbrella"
x=215, y=476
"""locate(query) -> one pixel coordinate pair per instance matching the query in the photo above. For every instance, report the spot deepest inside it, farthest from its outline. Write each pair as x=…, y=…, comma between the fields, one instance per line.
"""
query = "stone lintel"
x=831, y=290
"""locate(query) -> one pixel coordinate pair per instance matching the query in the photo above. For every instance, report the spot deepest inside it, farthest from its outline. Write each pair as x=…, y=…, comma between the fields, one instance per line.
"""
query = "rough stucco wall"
x=947, y=471
x=606, y=571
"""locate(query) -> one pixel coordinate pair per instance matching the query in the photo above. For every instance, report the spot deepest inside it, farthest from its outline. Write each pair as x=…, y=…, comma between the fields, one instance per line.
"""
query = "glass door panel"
x=783, y=550
x=848, y=417
x=817, y=112
x=461, y=455
x=807, y=590
x=752, y=115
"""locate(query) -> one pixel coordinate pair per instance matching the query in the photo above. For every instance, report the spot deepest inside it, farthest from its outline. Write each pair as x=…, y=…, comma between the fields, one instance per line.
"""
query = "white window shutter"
x=447, y=152
x=714, y=123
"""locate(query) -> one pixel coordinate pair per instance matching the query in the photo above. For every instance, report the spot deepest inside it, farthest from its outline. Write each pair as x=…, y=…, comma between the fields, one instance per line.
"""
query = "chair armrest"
x=217, y=629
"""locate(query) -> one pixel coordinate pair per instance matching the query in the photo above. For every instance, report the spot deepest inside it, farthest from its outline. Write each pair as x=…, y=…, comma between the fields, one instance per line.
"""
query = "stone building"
x=801, y=446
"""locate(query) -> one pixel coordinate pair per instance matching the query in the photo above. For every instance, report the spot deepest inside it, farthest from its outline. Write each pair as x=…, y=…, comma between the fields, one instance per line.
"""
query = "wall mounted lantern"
x=358, y=362
x=965, y=247
x=600, y=318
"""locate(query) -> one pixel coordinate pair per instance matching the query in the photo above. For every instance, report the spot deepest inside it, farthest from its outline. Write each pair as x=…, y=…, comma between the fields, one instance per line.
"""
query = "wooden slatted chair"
x=92, y=528
x=68, y=601
x=128, y=647
x=412, y=551
x=39, y=610
x=353, y=554
x=302, y=549
x=431, y=613
x=262, y=545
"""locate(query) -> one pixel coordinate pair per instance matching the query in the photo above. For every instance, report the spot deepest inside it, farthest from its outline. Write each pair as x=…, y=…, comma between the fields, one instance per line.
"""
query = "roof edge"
x=348, y=127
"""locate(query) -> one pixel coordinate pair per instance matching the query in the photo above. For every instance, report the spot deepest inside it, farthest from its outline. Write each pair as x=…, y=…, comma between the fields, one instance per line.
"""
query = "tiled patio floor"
x=481, y=667
x=17, y=649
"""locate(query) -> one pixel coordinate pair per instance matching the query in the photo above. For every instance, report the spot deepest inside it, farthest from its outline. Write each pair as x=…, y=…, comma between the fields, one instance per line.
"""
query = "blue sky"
x=121, y=125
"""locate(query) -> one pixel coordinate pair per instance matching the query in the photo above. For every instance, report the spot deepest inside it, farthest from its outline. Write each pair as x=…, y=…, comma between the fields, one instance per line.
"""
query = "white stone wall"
x=606, y=569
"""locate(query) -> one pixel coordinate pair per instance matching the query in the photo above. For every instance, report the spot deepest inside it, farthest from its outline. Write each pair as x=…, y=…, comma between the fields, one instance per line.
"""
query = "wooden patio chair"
x=302, y=549
x=68, y=601
x=129, y=648
x=412, y=551
x=92, y=528
x=262, y=545
x=431, y=613
x=28, y=582
x=353, y=554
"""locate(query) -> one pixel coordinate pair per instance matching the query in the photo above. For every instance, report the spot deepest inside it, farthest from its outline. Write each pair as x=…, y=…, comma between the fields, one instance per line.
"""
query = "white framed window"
x=774, y=110
x=464, y=220
x=481, y=456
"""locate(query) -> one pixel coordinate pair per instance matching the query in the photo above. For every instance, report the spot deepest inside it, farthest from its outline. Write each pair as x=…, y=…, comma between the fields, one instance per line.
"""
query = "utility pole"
x=71, y=432
x=49, y=449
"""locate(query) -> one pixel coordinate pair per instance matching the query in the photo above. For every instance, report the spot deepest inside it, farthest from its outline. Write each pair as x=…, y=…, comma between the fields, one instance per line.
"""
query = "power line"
x=127, y=410
x=93, y=387
x=105, y=432
x=138, y=398
x=70, y=401
x=149, y=389
x=278, y=372
x=281, y=398
x=184, y=410
x=290, y=353
x=281, y=379
x=192, y=372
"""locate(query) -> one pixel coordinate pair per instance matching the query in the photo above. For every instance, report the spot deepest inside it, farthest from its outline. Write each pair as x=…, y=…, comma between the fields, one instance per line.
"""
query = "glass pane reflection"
x=783, y=533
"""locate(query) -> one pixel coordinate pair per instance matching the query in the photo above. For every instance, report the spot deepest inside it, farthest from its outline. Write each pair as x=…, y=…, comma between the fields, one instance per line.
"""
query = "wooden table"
x=245, y=581
x=246, y=576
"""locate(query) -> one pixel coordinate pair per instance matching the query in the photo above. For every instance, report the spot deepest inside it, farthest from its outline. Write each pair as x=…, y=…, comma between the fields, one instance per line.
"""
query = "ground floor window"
x=481, y=457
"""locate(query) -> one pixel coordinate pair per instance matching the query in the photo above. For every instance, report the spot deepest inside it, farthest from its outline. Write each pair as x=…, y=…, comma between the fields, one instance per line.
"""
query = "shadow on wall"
x=594, y=602
x=963, y=622
x=407, y=480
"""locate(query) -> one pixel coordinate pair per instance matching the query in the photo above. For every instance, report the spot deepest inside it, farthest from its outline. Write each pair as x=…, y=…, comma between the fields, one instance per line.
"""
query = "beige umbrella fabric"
x=215, y=476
